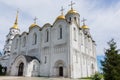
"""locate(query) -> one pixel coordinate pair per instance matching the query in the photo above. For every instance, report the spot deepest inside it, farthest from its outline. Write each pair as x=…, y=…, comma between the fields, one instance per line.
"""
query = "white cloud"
x=103, y=21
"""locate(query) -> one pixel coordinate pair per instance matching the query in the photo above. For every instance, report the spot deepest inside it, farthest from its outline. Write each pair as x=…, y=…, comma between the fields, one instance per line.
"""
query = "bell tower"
x=72, y=15
x=13, y=31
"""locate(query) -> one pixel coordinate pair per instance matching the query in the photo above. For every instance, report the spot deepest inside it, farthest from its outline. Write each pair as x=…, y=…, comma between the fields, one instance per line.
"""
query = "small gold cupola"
x=62, y=15
x=34, y=24
x=72, y=11
x=84, y=26
x=15, y=26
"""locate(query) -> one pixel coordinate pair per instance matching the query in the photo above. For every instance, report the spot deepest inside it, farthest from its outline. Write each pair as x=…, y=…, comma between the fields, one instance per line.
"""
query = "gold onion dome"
x=85, y=27
x=60, y=17
x=15, y=26
x=33, y=25
x=72, y=11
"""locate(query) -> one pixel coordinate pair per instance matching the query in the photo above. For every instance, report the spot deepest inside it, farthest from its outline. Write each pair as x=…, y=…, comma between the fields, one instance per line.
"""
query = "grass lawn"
x=85, y=79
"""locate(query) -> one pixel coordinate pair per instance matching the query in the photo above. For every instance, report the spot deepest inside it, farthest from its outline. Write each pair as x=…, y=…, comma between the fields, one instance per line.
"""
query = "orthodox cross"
x=35, y=19
x=62, y=9
x=84, y=21
x=71, y=4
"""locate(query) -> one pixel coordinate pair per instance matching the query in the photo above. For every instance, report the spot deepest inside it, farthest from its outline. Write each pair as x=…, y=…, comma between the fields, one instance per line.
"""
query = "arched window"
x=70, y=19
x=47, y=36
x=45, y=59
x=75, y=18
x=34, y=38
x=24, y=41
x=74, y=32
x=16, y=45
x=60, y=32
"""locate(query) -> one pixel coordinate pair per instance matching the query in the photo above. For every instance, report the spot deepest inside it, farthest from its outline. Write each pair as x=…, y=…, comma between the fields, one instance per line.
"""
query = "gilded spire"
x=16, y=21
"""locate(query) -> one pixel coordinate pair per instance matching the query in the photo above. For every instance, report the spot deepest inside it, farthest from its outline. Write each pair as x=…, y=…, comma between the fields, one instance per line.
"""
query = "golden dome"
x=32, y=25
x=72, y=11
x=85, y=27
x=60, y=17
x=15, y=26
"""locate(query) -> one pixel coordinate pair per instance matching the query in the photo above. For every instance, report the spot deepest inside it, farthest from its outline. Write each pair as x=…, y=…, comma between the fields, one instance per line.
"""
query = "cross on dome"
x=84, y=21
x=62, y=9
x=71, y=4
x=35, y=19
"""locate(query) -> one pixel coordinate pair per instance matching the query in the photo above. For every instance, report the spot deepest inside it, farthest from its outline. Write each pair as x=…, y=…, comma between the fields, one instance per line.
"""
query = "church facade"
x=64, y=48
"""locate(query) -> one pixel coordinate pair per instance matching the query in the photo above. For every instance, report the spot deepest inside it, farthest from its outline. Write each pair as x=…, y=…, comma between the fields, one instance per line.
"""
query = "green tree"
x=111, y=63
x=97, y=76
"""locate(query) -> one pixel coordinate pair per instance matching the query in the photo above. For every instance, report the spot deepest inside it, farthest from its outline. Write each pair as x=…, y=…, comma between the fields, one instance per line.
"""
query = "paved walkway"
x=32, y=78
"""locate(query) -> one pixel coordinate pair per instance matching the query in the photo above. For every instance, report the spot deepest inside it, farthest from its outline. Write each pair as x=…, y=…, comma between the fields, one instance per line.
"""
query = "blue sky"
x=103, y=17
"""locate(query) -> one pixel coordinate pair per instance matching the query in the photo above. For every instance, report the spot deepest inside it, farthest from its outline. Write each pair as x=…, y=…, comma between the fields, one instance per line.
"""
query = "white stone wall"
x=75, y=51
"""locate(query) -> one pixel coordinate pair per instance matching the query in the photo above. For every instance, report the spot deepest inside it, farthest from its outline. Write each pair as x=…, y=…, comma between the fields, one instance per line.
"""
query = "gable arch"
x=15, y=65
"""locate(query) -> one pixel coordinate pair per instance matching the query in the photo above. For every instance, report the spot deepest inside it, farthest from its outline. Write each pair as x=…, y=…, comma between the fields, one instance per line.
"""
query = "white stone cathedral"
x=64, y=49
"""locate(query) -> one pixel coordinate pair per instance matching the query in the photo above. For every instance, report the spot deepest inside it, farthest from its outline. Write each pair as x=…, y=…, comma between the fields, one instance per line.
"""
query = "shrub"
x=97, y=76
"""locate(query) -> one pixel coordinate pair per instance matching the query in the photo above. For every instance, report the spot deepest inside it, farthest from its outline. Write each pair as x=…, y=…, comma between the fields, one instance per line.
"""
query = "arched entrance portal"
x=20, y=69
x=60, y=71
x=59, y=68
